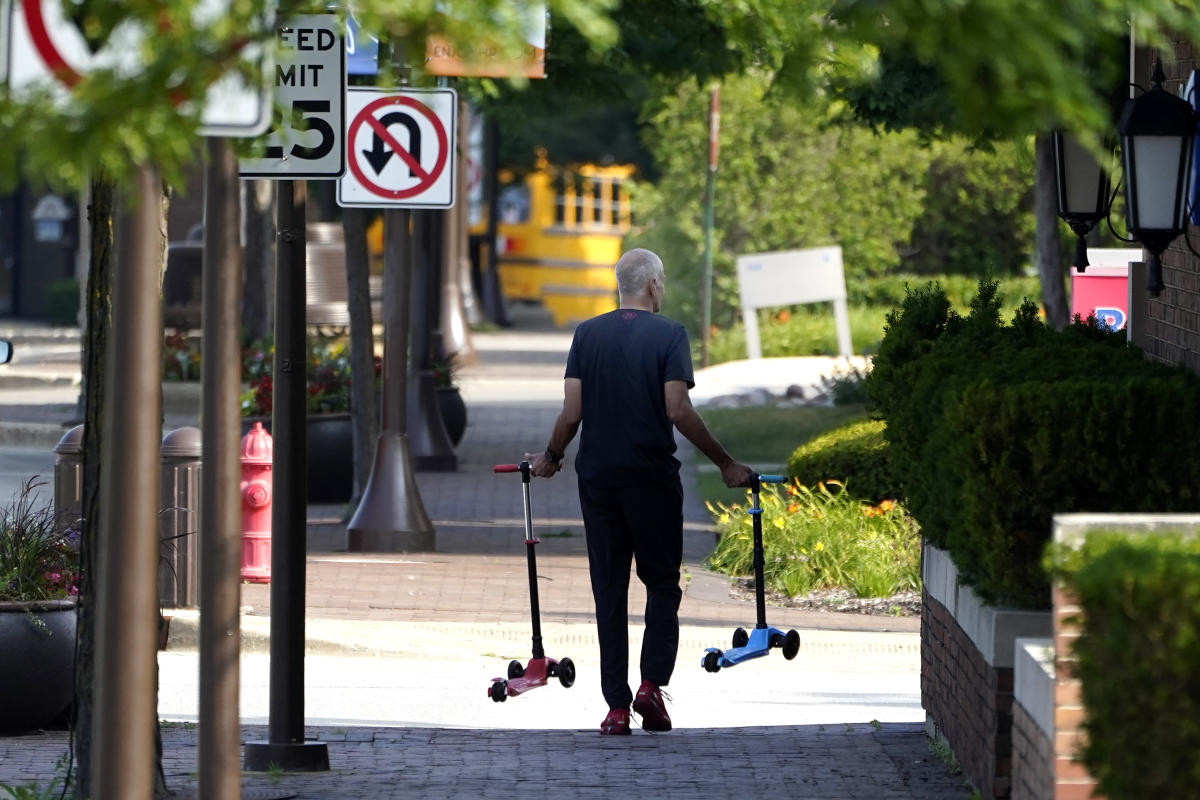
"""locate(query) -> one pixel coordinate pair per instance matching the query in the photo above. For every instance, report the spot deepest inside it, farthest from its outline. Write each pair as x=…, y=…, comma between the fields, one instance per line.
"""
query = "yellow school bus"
x=559, y=234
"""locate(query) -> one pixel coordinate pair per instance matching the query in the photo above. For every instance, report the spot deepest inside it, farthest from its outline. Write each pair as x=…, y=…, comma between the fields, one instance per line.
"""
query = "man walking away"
x=627, y=380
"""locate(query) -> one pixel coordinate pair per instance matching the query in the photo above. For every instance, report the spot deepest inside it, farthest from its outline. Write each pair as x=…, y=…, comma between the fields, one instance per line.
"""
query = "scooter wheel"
x=712, y=661
x=791, y=645
x=566, y=673
x=740, y=637
x=515, y=670
x=499, y=691
x=777, y=640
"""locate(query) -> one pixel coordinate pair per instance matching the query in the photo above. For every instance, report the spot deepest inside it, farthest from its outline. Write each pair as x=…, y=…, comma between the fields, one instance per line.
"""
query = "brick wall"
x=1071, y=778
x=970, y=701
x=1032, y=758
x=1172, y=320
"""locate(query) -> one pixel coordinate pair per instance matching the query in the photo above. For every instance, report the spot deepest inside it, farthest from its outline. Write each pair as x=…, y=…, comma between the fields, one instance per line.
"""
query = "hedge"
x=855, y=455
x=995, y=427
x=1136, y=660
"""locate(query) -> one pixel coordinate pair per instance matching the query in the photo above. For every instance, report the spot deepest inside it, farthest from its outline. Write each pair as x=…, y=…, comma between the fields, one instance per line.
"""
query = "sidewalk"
x=473, y=589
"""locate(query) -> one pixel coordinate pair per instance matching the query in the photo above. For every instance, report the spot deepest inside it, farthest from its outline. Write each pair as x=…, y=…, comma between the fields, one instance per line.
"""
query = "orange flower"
x=784, y=315
x=886, y=505
x=793, y=508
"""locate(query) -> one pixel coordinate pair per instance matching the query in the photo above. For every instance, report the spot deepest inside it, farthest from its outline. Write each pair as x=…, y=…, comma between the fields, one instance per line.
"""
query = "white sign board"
x=44, y=48
x=768, y=280
x=305, y=140
x=400, y=148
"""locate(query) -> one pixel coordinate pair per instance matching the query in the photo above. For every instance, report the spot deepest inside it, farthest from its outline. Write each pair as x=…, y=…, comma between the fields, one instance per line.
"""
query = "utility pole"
x=714, y=124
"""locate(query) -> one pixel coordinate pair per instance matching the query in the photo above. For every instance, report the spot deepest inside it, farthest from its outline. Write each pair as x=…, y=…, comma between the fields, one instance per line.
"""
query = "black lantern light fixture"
x=1083, y=188
x=1156, y=131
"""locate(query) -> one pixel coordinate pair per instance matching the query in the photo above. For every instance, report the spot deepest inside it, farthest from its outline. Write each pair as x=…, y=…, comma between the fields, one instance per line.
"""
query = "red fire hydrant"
x=256, y=505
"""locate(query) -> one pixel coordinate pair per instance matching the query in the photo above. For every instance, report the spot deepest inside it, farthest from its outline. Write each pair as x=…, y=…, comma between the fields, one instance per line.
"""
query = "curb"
x=391, y=639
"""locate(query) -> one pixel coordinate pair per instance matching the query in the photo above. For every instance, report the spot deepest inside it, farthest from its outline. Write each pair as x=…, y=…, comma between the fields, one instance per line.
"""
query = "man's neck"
x=641, y=302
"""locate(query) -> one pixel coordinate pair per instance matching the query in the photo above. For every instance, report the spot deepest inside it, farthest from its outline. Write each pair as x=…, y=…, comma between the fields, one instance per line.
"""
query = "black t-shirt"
x=623, y=358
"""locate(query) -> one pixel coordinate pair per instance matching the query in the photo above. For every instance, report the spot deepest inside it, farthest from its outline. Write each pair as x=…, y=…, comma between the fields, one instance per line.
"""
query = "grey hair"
x=635, y=269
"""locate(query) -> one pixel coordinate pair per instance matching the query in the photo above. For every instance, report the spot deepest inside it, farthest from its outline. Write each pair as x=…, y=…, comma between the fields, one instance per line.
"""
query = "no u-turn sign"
x=400, y=148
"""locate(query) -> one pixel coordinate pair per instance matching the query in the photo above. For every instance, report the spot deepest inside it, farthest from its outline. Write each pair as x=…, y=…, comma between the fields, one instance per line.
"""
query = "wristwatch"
x=553, y=456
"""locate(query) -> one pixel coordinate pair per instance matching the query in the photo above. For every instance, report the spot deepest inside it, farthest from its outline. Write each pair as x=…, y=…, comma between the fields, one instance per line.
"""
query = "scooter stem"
x=531, y=558
x=759, y=559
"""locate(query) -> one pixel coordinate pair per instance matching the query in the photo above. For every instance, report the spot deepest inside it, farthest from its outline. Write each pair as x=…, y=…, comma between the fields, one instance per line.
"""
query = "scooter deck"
x=758, y=646
x=537, y=673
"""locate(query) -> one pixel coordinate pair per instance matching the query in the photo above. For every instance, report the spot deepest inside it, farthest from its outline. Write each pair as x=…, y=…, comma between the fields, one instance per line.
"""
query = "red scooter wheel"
x=499, y=691
x=566, y=673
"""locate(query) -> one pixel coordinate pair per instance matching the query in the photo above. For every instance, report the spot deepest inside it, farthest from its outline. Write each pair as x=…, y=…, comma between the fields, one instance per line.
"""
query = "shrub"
x=821, y=538
x=855, y=455
x=1136, y=659
x=993, y=428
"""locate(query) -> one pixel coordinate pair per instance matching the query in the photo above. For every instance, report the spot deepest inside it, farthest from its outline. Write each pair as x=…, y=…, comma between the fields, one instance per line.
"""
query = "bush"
x=62, y=302
x=821, y=538
x=855, y=455
x=1136, y=658
x=993, y=428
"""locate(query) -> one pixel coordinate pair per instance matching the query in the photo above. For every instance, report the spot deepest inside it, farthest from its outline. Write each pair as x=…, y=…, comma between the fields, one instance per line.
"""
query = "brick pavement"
x=819, y=762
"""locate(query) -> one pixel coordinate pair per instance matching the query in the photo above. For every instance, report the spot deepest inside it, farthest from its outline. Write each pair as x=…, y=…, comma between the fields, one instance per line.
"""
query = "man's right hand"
x=541, y=466
x=735, y=474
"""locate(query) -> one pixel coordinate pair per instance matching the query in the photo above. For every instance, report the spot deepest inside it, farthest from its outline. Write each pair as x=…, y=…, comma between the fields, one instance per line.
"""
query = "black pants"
x=645, y=522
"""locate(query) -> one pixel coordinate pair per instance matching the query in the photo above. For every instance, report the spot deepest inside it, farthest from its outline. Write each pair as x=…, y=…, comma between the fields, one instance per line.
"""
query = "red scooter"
x=539, y=670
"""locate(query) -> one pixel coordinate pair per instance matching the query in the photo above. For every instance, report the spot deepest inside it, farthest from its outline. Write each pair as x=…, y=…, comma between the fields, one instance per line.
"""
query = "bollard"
x=178, y=516
x=256, y=505
x=68, y=479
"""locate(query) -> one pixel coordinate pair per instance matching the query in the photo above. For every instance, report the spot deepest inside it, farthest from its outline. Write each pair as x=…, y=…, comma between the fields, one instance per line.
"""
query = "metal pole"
x=714, y=124
x=286, y=747
x=493, y=294
x=220, y=474
x=430, y=444
x=391, y=516
x=127, y=610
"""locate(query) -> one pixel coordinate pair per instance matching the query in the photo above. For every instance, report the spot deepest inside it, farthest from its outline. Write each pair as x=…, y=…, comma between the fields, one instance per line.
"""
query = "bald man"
x=627, y=380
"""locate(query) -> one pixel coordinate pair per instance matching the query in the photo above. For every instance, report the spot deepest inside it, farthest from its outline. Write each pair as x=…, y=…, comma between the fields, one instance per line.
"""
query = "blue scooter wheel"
x=791, y=645
x=740, y=637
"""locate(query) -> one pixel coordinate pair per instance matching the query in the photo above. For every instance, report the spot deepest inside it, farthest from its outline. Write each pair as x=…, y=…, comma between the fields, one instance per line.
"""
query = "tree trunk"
x=1048, y=251
x=364, y=397
x=161, y=790
x=259, y=205
x=98, y=323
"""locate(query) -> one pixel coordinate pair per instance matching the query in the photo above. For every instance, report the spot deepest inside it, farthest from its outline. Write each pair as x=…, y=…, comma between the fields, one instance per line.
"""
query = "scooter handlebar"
x=772, y=478
x=506, y=468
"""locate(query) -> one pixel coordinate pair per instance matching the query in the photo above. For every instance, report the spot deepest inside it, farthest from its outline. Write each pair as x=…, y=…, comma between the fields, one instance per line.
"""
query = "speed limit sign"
x=305, y=140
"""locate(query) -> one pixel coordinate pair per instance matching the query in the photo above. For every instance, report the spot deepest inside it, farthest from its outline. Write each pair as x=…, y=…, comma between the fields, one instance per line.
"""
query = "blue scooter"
x=759, y=641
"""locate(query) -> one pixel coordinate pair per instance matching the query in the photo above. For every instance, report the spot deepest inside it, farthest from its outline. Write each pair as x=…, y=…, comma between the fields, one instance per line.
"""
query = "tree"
x=788, y=179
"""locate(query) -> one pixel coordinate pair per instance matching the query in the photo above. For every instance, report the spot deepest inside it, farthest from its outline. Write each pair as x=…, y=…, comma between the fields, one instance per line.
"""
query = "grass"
x=764, y=437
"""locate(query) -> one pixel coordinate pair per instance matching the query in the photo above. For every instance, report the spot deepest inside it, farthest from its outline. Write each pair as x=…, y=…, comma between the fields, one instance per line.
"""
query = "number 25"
x=309, y=123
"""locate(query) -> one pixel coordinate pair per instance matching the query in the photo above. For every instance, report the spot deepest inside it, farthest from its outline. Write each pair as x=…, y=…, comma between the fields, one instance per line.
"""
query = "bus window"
x=615, y=186
x=513, y=204
x=598, y=215
x=560, y=200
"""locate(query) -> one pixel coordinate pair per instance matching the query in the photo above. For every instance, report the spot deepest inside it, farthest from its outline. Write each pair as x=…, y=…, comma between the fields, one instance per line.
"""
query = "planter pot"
x=37, y=670
x=454, y=412
x=329, y=477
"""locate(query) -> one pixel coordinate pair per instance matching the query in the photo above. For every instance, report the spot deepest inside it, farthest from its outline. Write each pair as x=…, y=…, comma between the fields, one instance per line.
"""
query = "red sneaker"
x=650, y=704
x=616, y=723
